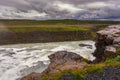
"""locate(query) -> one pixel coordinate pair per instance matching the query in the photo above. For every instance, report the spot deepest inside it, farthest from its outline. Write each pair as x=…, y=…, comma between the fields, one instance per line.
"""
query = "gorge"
x=70, y=66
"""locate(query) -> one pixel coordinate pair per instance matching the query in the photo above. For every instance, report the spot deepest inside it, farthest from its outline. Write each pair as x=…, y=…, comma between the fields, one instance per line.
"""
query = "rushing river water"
x=19, y=60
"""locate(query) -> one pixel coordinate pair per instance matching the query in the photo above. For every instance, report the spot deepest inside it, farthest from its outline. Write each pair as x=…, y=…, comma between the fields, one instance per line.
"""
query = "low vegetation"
x=117, y=59
x=91, y=68
x=118, y=51
x=47, y=28
x=52, y=25
x=48, y=22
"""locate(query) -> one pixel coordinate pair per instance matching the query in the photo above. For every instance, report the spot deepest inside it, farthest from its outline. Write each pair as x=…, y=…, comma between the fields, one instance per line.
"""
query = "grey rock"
x=86, y=45
x=105, y=41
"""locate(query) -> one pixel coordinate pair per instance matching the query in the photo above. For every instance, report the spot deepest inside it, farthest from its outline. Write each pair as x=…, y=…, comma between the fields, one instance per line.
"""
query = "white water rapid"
x=19, y=60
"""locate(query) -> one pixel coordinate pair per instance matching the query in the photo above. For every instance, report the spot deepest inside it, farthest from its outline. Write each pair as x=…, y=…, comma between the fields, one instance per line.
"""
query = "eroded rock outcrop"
x=64, y=60
x=59, y=62
x=107, y=42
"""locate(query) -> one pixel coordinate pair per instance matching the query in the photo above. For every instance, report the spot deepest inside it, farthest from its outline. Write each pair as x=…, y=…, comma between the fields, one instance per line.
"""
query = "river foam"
x=19, y=60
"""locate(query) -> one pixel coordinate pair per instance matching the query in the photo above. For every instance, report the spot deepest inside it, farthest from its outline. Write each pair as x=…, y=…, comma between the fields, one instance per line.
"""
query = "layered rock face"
x=107, y=42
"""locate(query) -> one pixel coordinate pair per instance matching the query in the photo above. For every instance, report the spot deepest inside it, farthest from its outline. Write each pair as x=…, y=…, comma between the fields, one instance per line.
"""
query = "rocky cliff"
x=107, y=43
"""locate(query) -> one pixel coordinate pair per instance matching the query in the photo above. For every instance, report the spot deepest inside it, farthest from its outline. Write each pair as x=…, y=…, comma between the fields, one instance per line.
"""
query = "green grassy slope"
x=29, y=31
x=48, y=22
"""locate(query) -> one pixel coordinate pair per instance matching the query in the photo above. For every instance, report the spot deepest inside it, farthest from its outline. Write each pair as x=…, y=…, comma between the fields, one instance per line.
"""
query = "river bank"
x=29, y=31
x=42, y=37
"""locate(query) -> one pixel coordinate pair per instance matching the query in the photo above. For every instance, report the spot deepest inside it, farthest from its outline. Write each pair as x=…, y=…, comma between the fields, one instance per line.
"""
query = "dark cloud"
x=60, y=9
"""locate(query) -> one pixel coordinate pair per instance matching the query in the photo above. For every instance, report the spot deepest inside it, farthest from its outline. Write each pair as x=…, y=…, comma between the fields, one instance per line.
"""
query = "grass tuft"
x=117, y=59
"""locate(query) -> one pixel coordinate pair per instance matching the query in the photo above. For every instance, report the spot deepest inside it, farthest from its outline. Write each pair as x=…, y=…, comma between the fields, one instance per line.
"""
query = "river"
x=19, y=60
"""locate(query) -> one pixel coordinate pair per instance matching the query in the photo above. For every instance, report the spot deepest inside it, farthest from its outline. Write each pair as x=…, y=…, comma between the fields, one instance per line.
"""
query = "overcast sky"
x=60, y=9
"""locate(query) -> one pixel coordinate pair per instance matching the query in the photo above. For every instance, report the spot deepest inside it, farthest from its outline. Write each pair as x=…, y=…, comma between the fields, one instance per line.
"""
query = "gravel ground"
x=109, y=73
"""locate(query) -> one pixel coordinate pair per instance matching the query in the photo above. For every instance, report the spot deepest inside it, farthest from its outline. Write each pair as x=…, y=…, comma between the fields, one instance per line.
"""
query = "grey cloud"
x=46, y=9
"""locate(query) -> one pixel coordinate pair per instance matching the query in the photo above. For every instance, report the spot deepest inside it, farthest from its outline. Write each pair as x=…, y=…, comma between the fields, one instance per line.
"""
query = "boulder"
x=59, y=62
x=64, y=55
x=64, y=60
x=110, y=52
x=86, y=45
